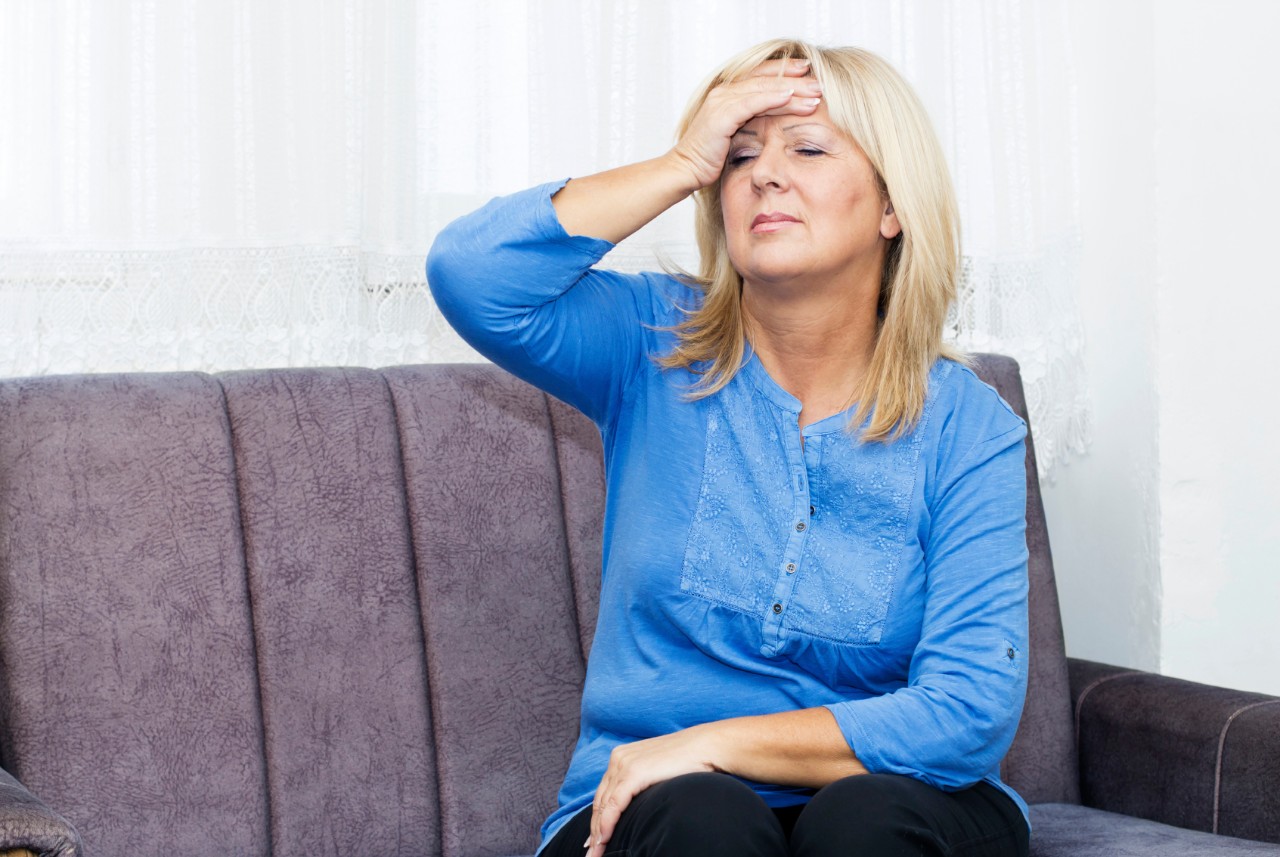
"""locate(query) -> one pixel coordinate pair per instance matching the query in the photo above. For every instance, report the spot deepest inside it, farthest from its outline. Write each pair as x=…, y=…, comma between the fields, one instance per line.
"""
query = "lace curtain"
x=219, y=184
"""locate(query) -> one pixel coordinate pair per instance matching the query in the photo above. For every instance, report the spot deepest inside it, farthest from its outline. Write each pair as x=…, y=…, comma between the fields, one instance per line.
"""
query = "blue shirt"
x=745, y=572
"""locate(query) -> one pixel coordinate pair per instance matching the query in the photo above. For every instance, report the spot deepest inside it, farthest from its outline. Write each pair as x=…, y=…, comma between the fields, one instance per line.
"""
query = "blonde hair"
x=870, y=102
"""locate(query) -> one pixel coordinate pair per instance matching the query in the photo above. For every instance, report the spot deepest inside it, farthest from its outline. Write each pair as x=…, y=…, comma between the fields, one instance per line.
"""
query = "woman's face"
x=801, y=205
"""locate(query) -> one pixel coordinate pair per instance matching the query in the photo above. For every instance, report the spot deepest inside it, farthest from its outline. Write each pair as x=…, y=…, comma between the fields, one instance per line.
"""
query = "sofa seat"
x=1069, y=830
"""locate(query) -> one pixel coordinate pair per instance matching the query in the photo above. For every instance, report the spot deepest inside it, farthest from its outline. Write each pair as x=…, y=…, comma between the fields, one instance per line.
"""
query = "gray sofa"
x=346, y=612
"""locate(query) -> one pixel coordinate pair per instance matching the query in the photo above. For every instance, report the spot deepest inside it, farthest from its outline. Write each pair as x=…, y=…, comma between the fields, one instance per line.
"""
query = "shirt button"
x=800, y=526
x=1010, y=653
x=777, y=608
x=811, y=511
x=791, y=568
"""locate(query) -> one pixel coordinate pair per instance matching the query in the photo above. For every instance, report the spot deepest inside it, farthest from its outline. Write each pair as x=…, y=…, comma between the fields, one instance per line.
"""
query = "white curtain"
x=217, y=184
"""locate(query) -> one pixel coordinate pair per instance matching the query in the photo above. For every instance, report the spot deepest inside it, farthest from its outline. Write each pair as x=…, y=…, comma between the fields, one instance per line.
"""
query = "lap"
x=889, y=814
x=703, y=814
x=883, y=814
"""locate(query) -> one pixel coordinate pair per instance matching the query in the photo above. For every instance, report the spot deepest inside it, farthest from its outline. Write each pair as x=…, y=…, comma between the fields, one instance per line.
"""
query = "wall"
x=1164, y=535
x=1219, y=304
x=1103, y=509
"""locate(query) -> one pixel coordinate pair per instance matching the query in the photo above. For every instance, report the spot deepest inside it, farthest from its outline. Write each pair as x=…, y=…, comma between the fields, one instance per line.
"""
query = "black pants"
x=872, y=815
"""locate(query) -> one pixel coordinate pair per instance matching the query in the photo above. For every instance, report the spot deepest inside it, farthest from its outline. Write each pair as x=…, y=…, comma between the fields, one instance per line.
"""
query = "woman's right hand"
x=774, y=88
x=615, y=203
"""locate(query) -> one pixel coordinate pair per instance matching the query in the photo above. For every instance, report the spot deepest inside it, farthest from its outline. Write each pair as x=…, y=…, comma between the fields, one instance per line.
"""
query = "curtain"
x=221, y=184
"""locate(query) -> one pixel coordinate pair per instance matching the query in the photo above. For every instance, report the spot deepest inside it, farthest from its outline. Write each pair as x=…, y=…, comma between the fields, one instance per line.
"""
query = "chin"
x=773, y=271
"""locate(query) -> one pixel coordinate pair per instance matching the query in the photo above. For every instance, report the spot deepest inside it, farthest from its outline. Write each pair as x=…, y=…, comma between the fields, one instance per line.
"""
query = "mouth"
x=771, y=221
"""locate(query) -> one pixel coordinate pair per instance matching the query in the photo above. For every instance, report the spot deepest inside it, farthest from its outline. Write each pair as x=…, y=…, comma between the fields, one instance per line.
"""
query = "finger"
x=604, y=817
x=795, y=106
x=609, y=820
x=727, y=108
x=767, y=102
x=803, y=86
x=769, y=96
x=754, y=96
x=597, y=814
x=784, y=68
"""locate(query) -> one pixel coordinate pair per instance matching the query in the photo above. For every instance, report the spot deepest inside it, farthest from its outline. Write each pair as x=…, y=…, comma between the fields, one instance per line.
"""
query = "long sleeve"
x=956, y=717
x=523, y=293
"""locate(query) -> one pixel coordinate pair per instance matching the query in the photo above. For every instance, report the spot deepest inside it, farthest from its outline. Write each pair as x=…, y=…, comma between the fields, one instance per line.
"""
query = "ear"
x=890, y=228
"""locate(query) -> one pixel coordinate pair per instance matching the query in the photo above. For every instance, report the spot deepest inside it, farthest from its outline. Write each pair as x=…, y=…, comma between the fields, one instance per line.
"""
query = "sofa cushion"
x=1068, y=830
x=130, y=692
x=504, y=654
x=347, y=733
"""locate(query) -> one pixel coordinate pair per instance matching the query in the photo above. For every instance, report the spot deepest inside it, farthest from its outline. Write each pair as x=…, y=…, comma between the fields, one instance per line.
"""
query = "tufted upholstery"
x=347, y=612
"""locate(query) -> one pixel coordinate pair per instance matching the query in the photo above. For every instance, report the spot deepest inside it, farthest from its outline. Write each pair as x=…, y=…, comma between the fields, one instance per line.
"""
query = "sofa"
x=347, y=612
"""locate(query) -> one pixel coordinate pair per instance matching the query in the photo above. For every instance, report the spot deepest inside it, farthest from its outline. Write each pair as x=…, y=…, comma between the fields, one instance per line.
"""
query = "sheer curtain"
x=216, y=184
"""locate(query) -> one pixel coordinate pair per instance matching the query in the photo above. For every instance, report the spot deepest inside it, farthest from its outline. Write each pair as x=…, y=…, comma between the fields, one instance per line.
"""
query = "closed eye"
x=737, y=157
x=810, y=151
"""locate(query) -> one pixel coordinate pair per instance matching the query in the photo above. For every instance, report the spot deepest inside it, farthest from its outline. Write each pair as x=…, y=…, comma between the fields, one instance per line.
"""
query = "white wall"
x=1218, y=207
x=1165, y=535
x=1103, y=509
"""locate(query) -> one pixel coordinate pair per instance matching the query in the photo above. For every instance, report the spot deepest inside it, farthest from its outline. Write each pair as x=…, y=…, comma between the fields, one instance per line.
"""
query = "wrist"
x=715, y=745
x=683, y=171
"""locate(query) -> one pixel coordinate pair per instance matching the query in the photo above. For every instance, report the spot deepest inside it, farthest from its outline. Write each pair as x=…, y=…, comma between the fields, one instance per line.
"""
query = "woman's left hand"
x=802, y=748
x=636, y=766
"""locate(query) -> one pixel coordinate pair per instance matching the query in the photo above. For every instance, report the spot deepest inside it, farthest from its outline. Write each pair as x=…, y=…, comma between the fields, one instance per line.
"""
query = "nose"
x=769, y=168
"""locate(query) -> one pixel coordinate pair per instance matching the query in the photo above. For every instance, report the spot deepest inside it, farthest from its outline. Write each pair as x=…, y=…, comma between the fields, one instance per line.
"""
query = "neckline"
x=774, y=392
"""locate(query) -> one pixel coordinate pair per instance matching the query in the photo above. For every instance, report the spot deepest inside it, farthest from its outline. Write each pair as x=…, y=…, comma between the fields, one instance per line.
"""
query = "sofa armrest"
x=1178, y=752
x=28, y=827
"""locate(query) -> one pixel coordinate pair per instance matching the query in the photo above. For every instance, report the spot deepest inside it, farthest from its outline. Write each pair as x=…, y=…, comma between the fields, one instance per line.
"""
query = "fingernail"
x=800, y=62
x=809, y=102
x=587, y=844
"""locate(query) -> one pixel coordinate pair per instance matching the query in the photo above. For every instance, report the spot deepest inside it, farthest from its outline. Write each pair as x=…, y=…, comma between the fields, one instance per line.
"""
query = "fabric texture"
x=748, y=572
x=26, y=822
x=336, y=613
x=1173, y=751
x=483, y=487
x=1247, y=804
x=1069, y=830
x=130, y=692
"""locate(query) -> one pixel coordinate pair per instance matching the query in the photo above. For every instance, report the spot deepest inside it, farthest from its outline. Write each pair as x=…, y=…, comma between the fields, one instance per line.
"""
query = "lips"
x=771, y=221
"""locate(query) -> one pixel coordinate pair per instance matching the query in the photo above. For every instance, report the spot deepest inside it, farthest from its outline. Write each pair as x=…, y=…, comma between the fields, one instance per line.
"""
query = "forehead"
x=819, y=119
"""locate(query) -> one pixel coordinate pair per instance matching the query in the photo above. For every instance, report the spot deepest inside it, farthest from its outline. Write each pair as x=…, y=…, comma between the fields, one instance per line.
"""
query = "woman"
x=813, y=610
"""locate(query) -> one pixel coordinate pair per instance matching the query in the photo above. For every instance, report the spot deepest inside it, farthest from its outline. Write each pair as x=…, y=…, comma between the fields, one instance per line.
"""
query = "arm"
x=523, y=293
x=515, y=279
x=792, y=748
x=954, y=720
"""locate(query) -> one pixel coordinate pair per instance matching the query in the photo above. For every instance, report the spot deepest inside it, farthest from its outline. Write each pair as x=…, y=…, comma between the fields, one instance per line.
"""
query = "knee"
x=703, y=800
x=707, y=813
x=867, y=814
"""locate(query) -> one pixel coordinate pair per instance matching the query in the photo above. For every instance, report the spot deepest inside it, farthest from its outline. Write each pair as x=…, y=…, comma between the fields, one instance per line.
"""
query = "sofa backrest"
x=1042, y=764
x=325, y=611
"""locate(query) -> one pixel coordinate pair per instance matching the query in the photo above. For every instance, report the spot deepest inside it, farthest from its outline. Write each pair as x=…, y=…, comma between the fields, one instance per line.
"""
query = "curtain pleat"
x=216, y=184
